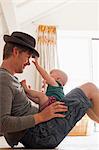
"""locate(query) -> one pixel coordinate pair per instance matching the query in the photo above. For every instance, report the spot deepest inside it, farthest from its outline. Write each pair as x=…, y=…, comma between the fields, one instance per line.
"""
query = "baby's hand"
x=23, y=83
x=35, y=61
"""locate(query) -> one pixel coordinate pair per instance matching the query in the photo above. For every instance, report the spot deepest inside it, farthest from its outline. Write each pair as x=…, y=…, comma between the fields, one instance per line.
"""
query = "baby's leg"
x=92, y=92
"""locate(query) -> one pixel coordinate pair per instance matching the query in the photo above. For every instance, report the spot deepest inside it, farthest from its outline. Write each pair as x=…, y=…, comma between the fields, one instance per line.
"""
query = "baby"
x=55, y=81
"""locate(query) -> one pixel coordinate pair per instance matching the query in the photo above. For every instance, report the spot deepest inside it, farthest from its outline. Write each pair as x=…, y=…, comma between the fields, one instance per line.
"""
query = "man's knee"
x=89, y=86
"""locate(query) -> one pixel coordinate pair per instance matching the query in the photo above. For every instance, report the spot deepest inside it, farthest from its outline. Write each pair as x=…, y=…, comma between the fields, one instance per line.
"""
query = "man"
x=16, y=112
x=19, y=120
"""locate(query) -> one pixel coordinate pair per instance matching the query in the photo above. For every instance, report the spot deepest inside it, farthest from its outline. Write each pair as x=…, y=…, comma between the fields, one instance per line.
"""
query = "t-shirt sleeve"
x=9, y=123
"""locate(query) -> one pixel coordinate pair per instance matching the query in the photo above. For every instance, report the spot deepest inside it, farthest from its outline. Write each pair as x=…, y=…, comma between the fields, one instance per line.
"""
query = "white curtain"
x=47, y=47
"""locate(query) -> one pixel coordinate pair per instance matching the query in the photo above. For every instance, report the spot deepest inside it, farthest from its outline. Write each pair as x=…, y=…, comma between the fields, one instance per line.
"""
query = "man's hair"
x=8, y=49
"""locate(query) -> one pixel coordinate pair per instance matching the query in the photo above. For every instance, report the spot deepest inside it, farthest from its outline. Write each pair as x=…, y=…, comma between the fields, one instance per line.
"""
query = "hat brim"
x=15, y=40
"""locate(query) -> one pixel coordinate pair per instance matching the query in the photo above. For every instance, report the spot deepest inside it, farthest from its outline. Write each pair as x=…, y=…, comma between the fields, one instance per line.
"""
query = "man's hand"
x=52, y=111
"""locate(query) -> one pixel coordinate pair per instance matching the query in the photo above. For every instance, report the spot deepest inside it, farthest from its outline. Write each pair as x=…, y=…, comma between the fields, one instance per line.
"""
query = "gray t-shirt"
x=16, y=110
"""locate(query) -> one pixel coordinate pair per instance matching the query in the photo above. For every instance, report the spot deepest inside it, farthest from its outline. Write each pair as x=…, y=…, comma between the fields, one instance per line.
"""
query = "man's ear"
x=15, y=51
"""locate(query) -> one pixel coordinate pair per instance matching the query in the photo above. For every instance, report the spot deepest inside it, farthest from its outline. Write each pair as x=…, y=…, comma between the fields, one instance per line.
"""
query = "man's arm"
x=8, y=121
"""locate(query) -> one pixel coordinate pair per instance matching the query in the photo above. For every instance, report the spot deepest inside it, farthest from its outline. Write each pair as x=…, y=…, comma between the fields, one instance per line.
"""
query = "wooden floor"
x=90, y=142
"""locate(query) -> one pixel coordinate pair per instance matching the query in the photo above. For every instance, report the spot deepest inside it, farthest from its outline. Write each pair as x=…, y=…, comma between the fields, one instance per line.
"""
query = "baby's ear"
x=59, y=80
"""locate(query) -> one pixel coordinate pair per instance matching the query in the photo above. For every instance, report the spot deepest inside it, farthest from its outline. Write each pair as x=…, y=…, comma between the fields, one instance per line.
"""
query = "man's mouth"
x=24, y=66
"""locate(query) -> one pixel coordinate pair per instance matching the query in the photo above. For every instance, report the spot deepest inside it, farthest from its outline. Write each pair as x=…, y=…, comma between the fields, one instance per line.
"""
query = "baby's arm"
x=38, y=97
x=44, y=74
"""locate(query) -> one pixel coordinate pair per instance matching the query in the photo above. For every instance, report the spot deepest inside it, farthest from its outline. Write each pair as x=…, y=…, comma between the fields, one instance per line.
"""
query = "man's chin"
x=20, y=71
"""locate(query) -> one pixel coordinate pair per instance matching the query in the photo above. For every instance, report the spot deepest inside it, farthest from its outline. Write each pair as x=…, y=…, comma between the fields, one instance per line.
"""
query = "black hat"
x=22, y=39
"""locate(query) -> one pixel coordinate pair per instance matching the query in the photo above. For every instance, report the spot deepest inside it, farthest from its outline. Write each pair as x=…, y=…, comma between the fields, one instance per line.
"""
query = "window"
x=75, y=58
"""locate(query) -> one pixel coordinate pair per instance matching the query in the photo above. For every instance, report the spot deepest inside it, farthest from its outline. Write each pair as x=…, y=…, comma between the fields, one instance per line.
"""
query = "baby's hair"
x=61, y=75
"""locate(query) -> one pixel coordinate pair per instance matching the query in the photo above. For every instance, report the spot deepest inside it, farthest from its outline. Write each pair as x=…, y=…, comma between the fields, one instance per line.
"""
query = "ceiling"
x=35, y=9
x=80, y=15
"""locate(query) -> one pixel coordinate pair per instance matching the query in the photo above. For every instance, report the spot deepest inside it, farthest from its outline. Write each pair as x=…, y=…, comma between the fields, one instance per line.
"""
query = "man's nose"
x=28, y=62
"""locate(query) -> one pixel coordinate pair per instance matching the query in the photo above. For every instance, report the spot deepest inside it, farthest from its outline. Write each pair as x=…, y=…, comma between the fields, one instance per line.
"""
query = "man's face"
x=22, y=60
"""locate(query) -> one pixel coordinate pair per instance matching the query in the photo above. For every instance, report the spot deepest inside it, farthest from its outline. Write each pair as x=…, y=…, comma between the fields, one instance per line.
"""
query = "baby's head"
x=59, y=76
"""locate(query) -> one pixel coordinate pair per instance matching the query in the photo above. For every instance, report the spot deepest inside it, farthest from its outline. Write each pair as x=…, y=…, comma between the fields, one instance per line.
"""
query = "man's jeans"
x=49, y=134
